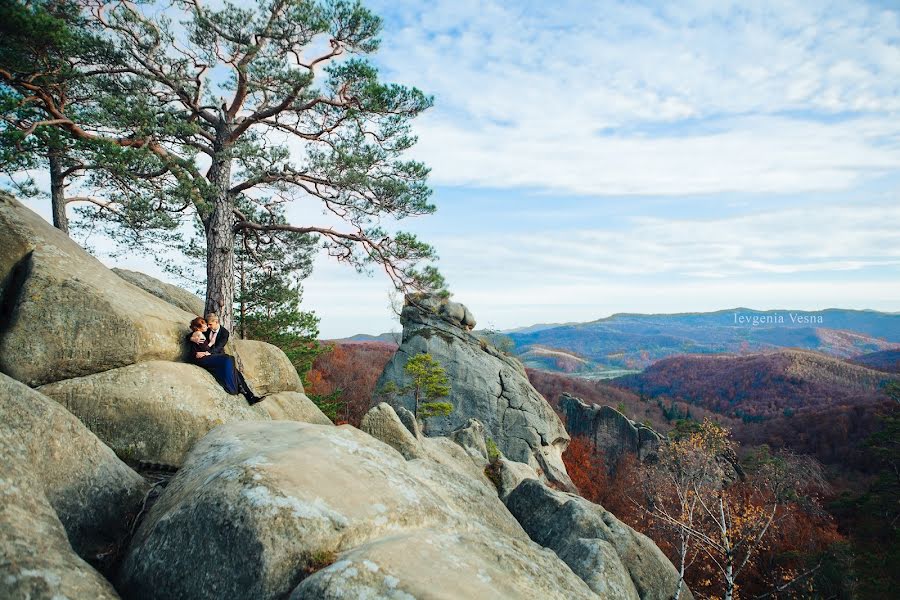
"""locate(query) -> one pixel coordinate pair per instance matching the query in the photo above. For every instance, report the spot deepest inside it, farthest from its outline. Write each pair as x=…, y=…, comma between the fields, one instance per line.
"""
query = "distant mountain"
x=392, y=337
x=885, y=360
x=634, y=341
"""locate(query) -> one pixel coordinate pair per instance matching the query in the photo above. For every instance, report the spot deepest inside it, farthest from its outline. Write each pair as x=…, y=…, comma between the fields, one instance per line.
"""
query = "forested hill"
x=634, y=341
x=760, y=385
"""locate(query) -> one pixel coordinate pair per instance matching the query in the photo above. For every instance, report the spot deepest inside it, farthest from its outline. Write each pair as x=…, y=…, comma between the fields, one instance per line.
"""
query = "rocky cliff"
x=270, y=501
x=486, y=384
x=610, y=431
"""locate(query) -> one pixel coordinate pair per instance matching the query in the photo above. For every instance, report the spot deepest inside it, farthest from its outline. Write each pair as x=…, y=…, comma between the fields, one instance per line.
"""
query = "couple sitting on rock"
x=208, y=339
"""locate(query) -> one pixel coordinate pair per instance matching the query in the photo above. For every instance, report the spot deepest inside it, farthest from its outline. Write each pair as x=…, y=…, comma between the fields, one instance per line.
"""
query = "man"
x=216, y=335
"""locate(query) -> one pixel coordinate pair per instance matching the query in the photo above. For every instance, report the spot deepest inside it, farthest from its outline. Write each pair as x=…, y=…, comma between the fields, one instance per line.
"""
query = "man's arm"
x=221, y=340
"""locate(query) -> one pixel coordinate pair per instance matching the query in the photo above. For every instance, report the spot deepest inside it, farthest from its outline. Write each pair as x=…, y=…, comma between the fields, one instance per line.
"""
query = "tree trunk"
x=58, y=191
x=220, y=241
x=243, y=313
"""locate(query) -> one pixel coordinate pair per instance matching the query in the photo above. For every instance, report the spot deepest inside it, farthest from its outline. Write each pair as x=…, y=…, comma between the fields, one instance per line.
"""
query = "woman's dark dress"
x=222, y=367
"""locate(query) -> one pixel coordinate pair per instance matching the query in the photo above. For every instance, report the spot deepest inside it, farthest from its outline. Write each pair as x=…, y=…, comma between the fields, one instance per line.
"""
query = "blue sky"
x=598, y=157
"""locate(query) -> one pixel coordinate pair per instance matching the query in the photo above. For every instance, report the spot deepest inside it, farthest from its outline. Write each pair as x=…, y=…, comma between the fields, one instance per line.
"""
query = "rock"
x=382, y=423
x=610, y=431
x=612, y=558
x=172, y=294
x=156, y=411
x=291, y=406
x=63, y=314
x=409, y=421
x=90, y=490
x=511, y=474
x=36, y=560
x=486, y=385
x=258, y=507
x=472, y=439
x=266, y=368
x=437, y=564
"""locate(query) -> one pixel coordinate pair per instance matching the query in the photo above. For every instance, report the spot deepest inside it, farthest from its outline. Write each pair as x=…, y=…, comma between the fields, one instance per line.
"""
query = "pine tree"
x=201, y=104
x=429, y=384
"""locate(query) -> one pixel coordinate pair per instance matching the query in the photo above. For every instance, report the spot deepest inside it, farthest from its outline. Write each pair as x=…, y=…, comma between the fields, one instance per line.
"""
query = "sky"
x=589, y=158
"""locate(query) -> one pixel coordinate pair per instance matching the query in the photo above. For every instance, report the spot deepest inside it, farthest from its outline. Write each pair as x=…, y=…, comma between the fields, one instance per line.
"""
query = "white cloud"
x=701, y=98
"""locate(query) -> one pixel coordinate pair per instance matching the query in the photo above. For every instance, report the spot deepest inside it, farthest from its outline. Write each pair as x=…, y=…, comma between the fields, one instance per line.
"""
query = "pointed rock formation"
x=486, y=385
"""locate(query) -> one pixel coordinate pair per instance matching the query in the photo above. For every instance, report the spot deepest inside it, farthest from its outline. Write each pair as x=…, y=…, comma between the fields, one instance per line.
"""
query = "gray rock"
x=291, y=406
x=156, y=411
x=511, y=474
x=258, y=507
x=382, y=423
x=172, y=294
x=266, y=367
x=486, y=385
x=409, y=421
x=63, y=314
x=612, y=558
x=472, y=438
x=437, y=564
x=36, y=560
x=610, y=431
x=90, y=490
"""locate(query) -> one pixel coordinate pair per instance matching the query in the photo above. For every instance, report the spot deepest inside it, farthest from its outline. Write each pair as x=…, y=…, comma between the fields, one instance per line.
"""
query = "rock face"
x=63, y=314
x=266, y=367
x=62, y=494
x=609, y=430
x=172, y=294
x=156, y=411
x=614, y=560
x=36, y=560
x=263, y=510
x=486, y=385
x=87, y=486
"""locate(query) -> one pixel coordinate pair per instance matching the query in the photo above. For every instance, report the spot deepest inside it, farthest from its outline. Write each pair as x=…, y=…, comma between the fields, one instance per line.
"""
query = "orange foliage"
x=353, y=368
x=797, y=533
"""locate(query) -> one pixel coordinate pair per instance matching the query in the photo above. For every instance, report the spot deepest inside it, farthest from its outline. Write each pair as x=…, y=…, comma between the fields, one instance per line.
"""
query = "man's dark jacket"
x=221, y=340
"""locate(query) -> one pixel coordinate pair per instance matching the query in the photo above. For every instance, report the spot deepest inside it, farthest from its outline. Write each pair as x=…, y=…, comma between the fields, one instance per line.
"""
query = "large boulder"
x=259, y=507
x=63, y=314
x=36, y=560
x=65, y=499
x=156, y=411
x=385, y=425
x=442, y=565
x=92, y=492
x=172, y=294
x=613, y=559
x=266, y=367
x=609, y=430
x=486, y=385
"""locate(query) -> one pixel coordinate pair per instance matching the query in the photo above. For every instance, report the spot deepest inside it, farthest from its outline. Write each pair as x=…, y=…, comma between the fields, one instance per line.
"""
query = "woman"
x=222, y=366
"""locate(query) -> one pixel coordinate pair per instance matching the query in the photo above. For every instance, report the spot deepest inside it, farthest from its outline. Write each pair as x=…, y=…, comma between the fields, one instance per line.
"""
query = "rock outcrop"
x=90, y=489
x=266, y=367
x=172, y=294
x=262, y=510
x=271, y=501
x=63, y=314
x=64, y=499
x=610, y=431
x=156, y=411
x=486, y=385
x=612, y=558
